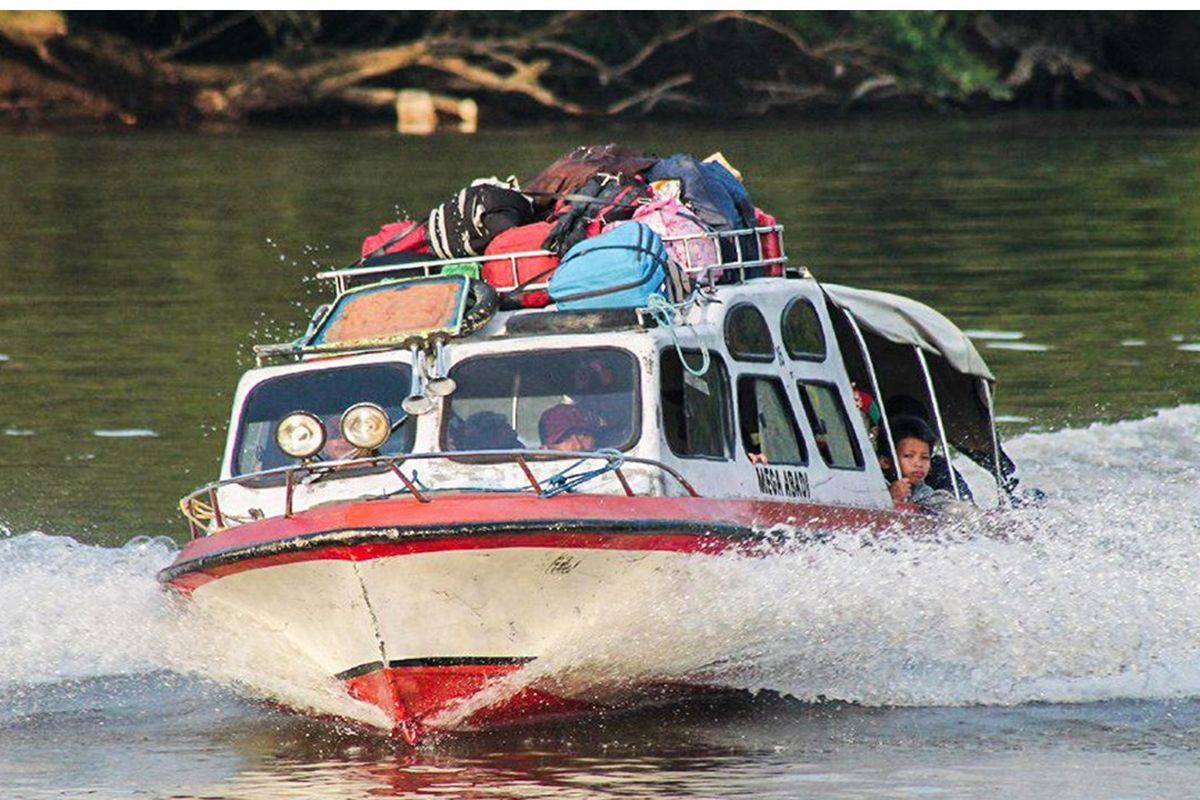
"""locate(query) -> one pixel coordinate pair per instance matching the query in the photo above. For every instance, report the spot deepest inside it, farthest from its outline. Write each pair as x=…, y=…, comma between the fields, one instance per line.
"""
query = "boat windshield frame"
x=584, y=353
x=263, y=477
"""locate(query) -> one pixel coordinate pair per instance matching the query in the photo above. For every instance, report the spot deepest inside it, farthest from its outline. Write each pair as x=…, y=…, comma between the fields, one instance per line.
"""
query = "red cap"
x=560, y=421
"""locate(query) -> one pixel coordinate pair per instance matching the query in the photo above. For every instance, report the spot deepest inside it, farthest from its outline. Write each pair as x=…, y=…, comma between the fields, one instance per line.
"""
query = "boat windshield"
x=326, y=393
x=544, y=399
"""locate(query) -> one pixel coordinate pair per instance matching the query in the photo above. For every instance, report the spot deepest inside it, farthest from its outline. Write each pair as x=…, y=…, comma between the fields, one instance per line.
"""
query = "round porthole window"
x=802, y=334
x=747, y=335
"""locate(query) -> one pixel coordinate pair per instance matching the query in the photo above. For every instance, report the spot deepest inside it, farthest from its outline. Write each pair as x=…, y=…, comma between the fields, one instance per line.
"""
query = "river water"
x=137, y=269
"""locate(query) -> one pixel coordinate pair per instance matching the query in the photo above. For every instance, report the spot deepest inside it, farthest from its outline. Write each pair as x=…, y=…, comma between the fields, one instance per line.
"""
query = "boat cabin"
x=743, y=392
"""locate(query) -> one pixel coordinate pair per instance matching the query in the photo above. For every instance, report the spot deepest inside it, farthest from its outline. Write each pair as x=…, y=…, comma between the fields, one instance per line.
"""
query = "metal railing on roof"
x=732, y=257
x=737, y=243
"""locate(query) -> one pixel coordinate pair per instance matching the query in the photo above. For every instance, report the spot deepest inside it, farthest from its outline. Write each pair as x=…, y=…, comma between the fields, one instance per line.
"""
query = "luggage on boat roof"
x=600, y=202
x=617, y=269
x=585, y=194
x=465, y=224
x=572, y=170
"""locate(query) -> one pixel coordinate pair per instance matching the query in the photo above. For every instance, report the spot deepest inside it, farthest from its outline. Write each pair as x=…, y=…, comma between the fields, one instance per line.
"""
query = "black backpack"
x=463, y=225
x=604, y=199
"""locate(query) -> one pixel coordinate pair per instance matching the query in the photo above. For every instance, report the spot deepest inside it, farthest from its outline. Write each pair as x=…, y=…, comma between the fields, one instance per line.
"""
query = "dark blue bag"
x=620, y=268
x=713, y=192
x=718, y=198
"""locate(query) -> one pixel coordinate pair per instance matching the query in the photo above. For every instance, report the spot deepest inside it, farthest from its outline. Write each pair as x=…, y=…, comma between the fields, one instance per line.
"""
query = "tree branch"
x=649, y=97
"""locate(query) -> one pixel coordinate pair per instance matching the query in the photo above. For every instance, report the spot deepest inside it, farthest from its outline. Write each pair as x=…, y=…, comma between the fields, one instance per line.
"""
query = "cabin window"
x=830, y=425
x=544, y=400
x=696, y=408
x=802, y=333
x=326, y=393
x=769, y=433
x=747, y=335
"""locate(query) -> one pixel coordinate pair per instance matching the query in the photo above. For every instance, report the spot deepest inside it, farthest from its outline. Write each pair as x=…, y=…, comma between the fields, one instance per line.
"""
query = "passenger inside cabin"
x=483, y=430
x=754, y=449
x=866, y=405
x=594, y=391
x=568, y=427
x=336, y=447
x=938, y=477
x=913, y=441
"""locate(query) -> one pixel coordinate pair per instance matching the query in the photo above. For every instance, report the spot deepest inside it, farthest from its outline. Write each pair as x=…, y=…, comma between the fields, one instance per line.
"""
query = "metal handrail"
x=702, y=272
x=201, y=506
x=701, y=275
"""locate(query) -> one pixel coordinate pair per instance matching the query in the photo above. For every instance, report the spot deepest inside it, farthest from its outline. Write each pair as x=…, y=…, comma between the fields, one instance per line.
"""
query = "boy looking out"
x=914, y=450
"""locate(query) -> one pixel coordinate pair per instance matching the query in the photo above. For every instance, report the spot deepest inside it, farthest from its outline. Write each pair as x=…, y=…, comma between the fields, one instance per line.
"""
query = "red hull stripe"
x=439, y=661
x=410, y=696
x=363, y=545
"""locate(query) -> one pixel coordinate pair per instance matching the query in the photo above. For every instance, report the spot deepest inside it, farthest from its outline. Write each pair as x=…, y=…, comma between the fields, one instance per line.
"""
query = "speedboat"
x=423, y=492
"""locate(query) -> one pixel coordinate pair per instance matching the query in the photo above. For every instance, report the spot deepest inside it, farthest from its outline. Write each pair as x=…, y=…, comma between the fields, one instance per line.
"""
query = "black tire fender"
x=482, y=302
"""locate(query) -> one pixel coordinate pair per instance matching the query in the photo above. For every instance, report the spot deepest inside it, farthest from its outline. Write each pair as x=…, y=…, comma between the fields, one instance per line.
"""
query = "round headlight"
x=366, y=426
x=300, y=434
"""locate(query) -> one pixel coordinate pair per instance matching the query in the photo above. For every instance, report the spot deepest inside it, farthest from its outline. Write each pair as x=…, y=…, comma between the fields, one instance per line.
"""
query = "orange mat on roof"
x=394, y=312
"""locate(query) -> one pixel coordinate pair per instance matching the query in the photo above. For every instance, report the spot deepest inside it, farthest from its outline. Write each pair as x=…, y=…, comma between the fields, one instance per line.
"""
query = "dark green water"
x=137, y=269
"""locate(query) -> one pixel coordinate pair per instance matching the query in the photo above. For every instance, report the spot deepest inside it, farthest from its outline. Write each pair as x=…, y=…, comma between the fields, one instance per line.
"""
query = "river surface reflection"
x=137, y=269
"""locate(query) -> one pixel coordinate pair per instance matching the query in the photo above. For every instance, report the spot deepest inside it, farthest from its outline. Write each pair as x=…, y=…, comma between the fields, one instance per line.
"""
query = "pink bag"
x=668, y=217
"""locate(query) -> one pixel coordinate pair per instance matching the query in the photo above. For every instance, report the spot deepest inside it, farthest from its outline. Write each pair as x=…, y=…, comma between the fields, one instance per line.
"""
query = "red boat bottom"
x=411, y=694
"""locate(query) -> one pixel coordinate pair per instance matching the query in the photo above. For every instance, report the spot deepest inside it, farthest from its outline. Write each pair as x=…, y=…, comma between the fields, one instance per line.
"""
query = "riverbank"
x=193, y=70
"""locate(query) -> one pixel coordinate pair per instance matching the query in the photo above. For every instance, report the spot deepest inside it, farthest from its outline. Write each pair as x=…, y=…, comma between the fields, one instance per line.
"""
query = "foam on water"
x=1091, y=597
x=71, y=611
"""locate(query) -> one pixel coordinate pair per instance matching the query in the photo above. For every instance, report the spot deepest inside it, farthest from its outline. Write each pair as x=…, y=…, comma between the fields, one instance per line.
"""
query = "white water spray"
x=1091, y=597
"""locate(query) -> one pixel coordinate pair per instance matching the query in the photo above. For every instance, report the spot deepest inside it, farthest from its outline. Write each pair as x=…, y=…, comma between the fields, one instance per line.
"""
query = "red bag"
x=397, y=237
x=768, y=243
x=499, y=272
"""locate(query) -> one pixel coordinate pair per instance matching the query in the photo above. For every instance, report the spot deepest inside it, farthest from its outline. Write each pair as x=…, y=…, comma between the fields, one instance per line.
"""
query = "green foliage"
x=929, y=54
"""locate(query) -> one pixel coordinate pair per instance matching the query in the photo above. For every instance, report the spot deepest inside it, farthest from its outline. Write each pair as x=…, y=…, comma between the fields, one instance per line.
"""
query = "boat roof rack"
x=737, y=262
x=739, y=253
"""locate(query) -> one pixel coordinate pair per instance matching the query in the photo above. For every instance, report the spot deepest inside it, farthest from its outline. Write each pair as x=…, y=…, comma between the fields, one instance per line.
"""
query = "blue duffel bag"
x=620, y=268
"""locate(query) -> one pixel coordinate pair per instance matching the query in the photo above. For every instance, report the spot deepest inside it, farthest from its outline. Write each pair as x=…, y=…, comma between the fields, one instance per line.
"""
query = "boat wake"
x=1090, y=597
x=73, y=612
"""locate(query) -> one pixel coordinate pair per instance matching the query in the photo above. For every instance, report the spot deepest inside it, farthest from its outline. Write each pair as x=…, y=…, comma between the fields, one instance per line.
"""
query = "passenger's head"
x=336, y=447
x=568, y=427
x=485, y=430
x=869, y=409
x=592, y=376
x=914, y=442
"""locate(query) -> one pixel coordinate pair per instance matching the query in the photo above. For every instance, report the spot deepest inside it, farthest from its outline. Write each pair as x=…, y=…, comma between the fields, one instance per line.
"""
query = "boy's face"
x=914, y=456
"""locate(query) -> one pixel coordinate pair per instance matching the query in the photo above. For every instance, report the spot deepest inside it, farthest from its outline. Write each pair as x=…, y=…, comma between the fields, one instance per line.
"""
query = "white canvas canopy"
x=919, y=363
x=907, y=322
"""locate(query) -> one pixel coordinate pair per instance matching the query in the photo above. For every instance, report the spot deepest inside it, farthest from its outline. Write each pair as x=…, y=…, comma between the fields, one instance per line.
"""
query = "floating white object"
x=126, y=433
x=415, y=114
x=1028, y=347
x=983, y=333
